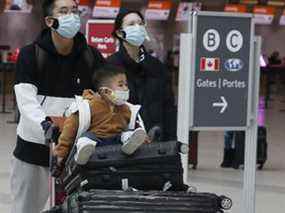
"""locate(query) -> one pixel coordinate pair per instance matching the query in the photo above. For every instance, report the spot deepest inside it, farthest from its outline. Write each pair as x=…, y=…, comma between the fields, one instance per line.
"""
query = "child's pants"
x=118, y=139
x=29, y=187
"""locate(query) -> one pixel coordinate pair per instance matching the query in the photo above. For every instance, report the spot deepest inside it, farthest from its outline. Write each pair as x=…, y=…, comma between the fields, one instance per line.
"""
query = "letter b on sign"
x=211, y=40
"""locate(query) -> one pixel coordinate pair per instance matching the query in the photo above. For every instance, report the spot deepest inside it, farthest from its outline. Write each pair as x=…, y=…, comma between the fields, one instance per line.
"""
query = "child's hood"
x=89, y=94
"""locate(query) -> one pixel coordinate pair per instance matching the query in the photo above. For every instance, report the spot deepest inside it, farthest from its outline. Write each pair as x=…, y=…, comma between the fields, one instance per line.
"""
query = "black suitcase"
x=152, y=167
x=193, y=149
x=111, y=201
x=239, y=149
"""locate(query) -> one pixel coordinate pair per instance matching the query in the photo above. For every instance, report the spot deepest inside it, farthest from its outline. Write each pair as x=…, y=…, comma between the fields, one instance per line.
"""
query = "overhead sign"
x=84, y=2
x=221, y=73
x=279, y=3
x=99, y=35
x=263, y=14
x=84, y=6
x=282, y=19
x=106, y=8
x=18, y=6
x=158, y=10
x=185, y=8
x=249, y=1
x=183, y=12
x=235, y=8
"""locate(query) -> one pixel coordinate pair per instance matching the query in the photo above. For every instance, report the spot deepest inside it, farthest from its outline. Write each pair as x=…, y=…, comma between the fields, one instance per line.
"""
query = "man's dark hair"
x=102, y=75
x=47, y=7
x=120, y=18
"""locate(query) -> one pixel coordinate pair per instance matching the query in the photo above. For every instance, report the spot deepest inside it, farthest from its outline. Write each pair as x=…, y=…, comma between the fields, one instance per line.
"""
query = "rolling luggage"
x=111, y=201
x=239, y=149
x=193, y=149
x=152, y=167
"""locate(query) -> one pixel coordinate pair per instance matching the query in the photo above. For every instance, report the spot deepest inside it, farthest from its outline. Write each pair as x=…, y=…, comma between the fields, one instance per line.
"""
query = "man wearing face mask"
x=148, y=79
x=50, y=71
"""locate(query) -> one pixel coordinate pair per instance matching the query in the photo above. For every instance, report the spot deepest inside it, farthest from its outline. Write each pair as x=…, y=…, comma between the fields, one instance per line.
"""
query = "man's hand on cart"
x=51, y=131
x=57, y=166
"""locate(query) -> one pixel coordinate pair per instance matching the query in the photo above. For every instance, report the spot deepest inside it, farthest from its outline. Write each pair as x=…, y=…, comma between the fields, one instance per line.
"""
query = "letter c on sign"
x=234, y=41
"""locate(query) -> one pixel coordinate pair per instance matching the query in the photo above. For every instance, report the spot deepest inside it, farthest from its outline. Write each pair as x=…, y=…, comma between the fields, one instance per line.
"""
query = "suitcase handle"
x=162, y=151
x=102, y=156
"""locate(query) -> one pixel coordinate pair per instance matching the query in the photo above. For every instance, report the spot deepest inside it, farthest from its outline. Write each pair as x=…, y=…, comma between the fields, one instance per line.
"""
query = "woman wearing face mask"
x=50, y=71
x=148, y=78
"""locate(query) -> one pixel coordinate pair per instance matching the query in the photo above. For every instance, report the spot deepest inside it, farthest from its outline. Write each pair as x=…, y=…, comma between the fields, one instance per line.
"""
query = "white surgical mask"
x=68, y=25
x=135, y=34
x=118, y=97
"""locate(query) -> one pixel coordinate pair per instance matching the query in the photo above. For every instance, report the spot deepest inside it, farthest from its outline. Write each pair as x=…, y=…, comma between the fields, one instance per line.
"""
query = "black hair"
x=120, y=17
x=47, y=7
x=102, y=75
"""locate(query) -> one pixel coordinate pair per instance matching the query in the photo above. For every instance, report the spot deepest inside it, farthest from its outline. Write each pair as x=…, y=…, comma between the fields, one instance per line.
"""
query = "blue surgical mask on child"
x=135, y=34
x=68, y=25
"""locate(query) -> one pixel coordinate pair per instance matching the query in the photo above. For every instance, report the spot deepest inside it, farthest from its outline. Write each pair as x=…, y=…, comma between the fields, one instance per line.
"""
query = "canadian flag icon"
x=209, y=64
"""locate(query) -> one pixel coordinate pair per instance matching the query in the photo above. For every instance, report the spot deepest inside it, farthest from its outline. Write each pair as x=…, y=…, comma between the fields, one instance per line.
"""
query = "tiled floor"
x=208, y=176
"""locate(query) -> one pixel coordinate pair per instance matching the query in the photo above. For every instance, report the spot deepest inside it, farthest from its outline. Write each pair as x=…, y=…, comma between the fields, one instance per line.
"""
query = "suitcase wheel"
x=56, y=209
x=226, y=203
x=191, y=189
x=260, y=167
x=236, y=166
x=194, y=166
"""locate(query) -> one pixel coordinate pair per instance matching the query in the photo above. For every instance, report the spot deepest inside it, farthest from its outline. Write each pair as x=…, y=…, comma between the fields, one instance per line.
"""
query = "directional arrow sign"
x=222, y=104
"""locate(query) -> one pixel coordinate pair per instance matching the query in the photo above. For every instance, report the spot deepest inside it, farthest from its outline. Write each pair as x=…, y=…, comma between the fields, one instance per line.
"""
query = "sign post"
x=222, y=74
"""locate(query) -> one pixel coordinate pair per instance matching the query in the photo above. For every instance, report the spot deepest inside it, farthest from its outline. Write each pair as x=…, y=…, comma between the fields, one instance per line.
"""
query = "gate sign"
x=158, y=10
x=99, y=35
x=263, y=14
x=106, y=8
x=221, y=87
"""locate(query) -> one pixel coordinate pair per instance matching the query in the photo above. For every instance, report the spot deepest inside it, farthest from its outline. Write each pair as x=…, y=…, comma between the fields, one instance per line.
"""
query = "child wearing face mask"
x=113, y=120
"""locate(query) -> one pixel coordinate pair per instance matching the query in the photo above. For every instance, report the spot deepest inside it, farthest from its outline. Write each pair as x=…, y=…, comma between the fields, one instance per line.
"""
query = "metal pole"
x=248, y=194
x=184, y=96
x=4, y=56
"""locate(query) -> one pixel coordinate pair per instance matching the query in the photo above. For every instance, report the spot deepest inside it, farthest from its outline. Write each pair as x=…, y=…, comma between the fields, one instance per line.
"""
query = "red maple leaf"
x=210, y=64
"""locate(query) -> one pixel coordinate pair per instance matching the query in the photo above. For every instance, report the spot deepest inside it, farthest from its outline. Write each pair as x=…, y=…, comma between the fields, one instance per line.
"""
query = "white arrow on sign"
x=222, y=104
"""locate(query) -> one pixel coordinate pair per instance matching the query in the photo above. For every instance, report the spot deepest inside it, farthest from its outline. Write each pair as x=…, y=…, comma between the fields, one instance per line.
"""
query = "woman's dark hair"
x=47, y=7
x=102, y=75
x=120, y=17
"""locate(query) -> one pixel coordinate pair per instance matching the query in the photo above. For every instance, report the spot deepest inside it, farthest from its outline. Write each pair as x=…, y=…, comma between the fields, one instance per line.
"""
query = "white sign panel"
x=153, y=14
x=17, y=6
x=184, y=10
x=263, y=19
x=105, y=12
x=282, y=19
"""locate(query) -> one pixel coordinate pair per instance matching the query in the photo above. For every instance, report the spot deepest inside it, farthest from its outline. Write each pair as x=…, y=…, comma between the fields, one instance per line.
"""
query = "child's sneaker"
x=135, y=140
x=85, y=148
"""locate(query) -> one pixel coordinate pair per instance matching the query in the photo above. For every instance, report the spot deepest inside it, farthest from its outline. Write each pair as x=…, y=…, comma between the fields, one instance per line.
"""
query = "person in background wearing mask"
x=148, y=79
x=50, y=71
x=113, y=120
